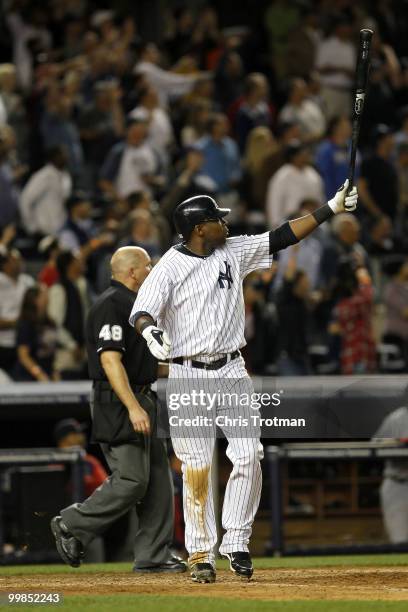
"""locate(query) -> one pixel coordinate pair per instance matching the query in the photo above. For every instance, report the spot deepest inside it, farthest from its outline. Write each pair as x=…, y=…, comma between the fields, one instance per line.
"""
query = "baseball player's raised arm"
x=252, y=252
x=342, y=202
x=291, y=232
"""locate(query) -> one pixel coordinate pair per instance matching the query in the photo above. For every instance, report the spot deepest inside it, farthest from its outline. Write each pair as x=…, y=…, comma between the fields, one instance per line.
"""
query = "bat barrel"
x=360, y=87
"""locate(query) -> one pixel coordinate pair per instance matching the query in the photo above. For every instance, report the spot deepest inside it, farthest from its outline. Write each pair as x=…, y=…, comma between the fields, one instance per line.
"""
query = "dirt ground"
x=272, y=584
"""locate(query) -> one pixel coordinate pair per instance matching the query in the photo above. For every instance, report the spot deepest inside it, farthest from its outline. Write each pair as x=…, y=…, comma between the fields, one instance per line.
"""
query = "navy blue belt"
x=214, y=365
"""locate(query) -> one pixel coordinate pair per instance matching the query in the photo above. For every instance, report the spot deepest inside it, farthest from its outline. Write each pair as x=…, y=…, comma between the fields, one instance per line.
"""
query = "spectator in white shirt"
x=13, y=285
x=167, y=84
x=294, y=182
x=42, y=202
x=131, y=165
x=160, y=134
x=25, y=38
x=336, y=61
x=305, y=112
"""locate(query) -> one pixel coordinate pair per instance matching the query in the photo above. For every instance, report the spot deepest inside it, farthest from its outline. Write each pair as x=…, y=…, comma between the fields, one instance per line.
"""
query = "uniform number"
x=113, y=332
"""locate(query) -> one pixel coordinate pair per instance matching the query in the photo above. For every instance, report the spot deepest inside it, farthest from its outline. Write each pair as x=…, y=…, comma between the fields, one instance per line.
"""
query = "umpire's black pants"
x=140, y=476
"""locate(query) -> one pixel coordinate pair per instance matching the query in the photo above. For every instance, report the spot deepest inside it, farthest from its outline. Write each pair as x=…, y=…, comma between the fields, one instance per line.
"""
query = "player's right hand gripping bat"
x=363, y=63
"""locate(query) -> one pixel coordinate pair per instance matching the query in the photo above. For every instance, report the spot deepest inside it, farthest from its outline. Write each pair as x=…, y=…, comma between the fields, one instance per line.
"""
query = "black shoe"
x=174, y=565
x=70, y=549
x=202, y=572
x=240, y=564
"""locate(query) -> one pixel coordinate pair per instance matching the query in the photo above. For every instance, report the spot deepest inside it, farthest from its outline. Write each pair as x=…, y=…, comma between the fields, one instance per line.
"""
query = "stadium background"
x=233, y=99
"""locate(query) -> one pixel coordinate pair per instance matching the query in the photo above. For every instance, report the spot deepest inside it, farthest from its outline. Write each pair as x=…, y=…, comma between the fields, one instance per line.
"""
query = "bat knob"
x=366, y=34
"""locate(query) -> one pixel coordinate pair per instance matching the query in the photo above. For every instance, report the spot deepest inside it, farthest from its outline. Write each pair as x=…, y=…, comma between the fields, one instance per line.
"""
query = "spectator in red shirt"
x=352, y=320
x=50, y=250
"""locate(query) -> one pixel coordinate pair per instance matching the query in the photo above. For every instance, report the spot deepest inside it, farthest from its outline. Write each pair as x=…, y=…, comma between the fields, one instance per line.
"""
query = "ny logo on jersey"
x=225, y=276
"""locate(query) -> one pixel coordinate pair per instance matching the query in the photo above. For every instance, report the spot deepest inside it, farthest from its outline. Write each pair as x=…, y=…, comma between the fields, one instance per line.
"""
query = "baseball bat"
x=360, y=88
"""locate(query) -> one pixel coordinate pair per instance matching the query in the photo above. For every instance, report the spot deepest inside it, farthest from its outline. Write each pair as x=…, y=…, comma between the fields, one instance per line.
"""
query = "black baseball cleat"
x=70, y=549
x=202, y=572
x=240, y=564
x=174, y=565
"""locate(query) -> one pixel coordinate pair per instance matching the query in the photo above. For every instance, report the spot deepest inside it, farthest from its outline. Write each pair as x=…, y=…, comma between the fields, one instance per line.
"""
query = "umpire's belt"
x=214, y=365
x=106, y=386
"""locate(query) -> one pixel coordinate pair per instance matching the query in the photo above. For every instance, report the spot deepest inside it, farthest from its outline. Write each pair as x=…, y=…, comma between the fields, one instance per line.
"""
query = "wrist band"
x=138, y=315
x=144, y=326
x=323, y=213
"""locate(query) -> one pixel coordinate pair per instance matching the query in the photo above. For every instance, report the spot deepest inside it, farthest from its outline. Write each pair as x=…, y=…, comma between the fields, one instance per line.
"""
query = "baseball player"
x=394, y=487
x=190, y=310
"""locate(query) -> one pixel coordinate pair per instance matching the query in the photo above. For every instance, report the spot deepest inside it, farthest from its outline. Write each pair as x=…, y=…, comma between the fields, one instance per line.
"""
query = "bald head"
x=344, y=219
x=130, y=266
x=346, y=227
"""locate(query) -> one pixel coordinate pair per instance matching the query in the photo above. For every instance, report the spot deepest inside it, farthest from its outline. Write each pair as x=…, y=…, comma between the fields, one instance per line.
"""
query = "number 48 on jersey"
x=109, y=332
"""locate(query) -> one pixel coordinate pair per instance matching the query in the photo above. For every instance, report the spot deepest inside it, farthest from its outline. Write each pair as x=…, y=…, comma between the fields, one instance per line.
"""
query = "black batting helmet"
x=196, y=210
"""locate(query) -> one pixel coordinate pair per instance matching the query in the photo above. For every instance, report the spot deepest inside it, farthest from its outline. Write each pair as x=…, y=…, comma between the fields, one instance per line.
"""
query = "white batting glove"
x=157, y=341
x=342, y=202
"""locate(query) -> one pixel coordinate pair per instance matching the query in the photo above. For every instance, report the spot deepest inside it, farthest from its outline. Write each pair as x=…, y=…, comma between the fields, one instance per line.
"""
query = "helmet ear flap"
x=186, y=236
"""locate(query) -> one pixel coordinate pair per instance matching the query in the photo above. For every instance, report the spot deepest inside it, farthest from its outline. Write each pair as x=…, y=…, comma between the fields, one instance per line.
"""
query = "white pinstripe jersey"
x=199, y=300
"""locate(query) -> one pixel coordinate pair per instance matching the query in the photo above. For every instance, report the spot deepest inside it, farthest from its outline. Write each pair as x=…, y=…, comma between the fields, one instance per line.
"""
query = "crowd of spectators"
x=103, y=131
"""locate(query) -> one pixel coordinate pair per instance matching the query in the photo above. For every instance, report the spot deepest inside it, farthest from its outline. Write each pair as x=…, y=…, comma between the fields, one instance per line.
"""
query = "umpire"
x=123, y=422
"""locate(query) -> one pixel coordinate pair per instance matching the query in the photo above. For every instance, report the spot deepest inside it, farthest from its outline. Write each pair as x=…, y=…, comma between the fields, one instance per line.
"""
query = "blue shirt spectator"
x=333, y=155
x=251, y=109
x=221, y=155
x=9, y=193
x=309, y=254
x=79, y=228
x=57, y=128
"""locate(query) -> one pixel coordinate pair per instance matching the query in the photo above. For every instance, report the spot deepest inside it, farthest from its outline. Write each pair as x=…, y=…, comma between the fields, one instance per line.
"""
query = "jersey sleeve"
x=395, y=425
x=152, y=296
x=253, y=252
x=109, y=332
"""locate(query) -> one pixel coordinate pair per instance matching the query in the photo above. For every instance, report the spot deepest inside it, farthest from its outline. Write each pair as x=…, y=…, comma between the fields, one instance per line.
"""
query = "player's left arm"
x=149, y=304
x=293, y=231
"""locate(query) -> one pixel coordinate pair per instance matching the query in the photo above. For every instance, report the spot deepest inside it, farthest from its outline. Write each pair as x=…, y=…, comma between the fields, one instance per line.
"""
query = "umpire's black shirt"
x=108, y=329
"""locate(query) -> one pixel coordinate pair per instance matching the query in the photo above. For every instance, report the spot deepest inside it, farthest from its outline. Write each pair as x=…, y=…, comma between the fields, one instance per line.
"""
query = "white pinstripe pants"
x=245, y=451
